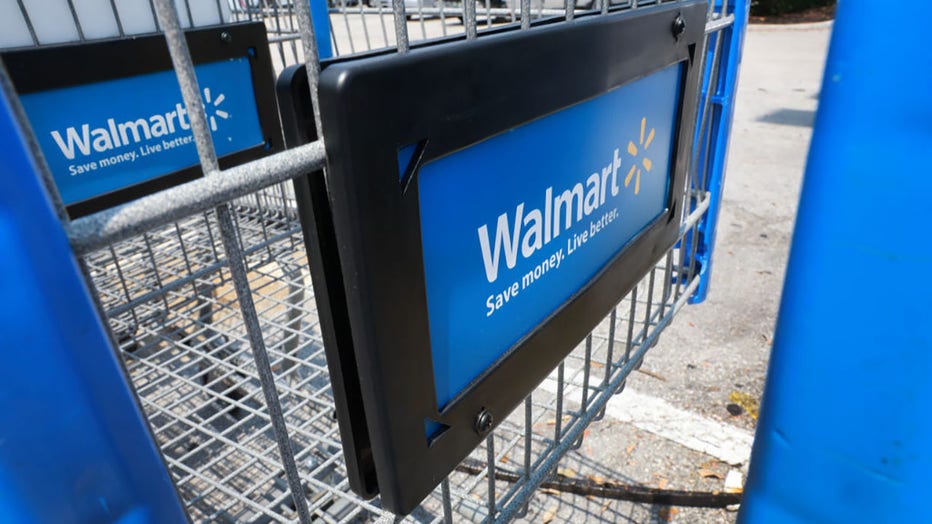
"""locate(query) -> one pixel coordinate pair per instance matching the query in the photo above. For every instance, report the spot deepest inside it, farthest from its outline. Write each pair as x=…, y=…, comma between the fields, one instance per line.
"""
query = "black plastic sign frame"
x=35, y=70
x=363, y=227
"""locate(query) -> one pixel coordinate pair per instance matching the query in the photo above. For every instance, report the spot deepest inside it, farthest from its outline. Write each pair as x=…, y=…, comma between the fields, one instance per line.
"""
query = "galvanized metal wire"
x=206, y=290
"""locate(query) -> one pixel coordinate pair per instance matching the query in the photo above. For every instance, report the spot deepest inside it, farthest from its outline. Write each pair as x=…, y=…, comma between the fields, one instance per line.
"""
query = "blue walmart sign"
x=101, y=137
x=554, y=201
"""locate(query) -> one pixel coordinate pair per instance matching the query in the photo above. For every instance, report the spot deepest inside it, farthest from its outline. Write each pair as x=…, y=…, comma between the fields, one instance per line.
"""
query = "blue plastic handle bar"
x=320, y=17
x=711, y=149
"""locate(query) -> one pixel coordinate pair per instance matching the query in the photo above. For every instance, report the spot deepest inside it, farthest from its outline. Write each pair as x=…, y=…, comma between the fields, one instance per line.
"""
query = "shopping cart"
x=206, y=292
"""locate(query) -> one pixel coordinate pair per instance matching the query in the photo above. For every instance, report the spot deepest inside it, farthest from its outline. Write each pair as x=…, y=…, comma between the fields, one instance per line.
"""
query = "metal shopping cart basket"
x=204, y=283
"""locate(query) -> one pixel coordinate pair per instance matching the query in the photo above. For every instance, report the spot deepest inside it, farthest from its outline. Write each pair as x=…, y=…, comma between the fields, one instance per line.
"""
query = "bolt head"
x=484, y=422
x=679, y=26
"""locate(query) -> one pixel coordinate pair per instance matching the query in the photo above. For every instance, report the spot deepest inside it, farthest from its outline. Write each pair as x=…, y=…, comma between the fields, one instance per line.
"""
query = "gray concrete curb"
x=812, y=26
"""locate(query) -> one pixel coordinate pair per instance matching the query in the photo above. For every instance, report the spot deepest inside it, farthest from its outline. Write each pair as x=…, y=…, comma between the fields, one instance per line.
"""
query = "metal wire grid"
x=189, y=358
x=207, y=294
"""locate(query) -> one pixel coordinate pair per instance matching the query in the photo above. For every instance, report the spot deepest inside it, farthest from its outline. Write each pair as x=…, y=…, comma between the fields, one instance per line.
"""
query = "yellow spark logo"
x=635, y=171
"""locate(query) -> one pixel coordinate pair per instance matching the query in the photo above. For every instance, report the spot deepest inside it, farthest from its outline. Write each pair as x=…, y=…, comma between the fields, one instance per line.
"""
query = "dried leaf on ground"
x=597, y=479
x=749, y=402
x=667, y=514
x=549, y=516
x=708, y=473
x=566, y=472
x=650, y=373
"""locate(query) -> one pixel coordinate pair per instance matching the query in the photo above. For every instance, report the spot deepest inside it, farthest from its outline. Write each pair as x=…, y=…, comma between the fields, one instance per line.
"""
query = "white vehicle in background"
x=498, y=9
x=501, y=9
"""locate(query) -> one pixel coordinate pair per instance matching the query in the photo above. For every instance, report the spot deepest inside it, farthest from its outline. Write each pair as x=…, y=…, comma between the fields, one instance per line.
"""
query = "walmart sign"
x=555, y=200
x=101, y=137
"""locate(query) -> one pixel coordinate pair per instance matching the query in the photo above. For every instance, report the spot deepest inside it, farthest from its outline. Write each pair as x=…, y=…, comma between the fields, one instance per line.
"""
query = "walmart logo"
x=213, y=106
x=537, y=222
x=86, y=140
x=635, y=171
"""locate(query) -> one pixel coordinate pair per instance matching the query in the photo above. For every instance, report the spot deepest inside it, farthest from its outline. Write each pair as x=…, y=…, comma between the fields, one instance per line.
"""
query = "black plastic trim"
x=447, y=97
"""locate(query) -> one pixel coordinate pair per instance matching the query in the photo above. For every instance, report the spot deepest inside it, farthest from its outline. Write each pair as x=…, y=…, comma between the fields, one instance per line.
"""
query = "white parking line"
x=722, y=441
